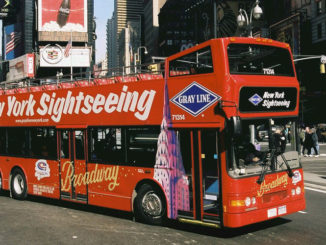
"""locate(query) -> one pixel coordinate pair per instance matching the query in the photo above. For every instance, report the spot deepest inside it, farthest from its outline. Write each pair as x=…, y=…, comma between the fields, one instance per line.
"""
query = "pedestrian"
x=315, y=145
x=307, y=143
x=301, y=137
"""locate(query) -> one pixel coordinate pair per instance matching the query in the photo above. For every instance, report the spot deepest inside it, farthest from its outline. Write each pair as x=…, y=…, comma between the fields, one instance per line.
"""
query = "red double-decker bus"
x=212, y=142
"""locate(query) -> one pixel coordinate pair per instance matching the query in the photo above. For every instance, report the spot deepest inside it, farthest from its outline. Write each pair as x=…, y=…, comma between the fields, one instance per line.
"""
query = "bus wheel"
x=150, y=207
x=18, y=185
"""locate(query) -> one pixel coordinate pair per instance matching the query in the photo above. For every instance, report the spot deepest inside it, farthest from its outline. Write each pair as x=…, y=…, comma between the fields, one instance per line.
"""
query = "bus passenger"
x=253, y=155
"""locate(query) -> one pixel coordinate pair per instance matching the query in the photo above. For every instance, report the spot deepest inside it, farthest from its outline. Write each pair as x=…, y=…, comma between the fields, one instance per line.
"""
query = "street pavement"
x=317, y=178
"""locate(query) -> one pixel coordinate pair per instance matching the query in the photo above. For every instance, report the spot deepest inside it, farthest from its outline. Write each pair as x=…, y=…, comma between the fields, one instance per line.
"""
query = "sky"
x=103, y=10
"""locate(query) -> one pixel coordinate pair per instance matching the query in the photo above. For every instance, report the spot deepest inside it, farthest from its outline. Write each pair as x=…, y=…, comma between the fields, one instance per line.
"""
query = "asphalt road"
x=37, y=221
x=45, y=221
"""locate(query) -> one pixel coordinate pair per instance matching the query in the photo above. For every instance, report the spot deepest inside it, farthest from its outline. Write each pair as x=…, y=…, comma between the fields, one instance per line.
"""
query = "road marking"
x=302, y=212
x=313, y=189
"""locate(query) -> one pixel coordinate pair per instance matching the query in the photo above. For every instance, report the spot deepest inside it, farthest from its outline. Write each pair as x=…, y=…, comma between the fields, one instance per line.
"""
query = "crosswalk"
x=315, y=187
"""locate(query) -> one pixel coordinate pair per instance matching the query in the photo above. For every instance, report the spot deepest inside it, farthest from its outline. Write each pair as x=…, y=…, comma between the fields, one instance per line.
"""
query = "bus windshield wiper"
x=272, y=160
x=265, y=166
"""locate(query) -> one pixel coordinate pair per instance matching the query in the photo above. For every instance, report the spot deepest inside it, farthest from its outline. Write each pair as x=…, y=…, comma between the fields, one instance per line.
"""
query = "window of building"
x=319, y=31
x=319, y=7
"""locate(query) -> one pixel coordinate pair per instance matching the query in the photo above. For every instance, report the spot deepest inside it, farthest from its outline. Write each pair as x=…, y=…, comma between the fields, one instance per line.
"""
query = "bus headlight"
x=298, y=190
x=293, y=192
x=253, y=200
x=247, y=201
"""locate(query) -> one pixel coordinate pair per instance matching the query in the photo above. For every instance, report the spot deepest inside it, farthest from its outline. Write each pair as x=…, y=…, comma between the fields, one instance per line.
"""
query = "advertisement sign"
x=54, y=56
x=58, y=19
x=21, y=67
x=63, y=15
x=84, y=105
x=13, y=39
x=267, y=99
x=4, y=8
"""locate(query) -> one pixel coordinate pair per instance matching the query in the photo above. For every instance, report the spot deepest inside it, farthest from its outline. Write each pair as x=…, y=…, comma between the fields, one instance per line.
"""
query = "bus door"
x=73, y=169
x=199, y=150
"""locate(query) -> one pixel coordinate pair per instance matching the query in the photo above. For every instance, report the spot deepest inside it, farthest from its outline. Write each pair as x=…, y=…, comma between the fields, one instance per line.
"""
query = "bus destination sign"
x=267, y=99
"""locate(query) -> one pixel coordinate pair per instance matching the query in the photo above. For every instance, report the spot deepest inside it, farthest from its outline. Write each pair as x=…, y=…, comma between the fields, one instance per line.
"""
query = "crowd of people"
x=309, y=142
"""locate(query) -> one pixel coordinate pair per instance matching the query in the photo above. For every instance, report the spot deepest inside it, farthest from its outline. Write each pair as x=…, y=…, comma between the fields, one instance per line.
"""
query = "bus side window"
x=79, y=142
x=198, y=62
x=105, y=145
x=3, y=141
x=142, y=146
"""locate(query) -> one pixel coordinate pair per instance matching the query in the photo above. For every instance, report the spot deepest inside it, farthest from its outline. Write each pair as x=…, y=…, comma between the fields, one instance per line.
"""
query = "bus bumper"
x=234, y=220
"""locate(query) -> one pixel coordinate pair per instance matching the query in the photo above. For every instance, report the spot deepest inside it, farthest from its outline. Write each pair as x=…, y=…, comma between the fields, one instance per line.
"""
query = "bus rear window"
x=259, y=60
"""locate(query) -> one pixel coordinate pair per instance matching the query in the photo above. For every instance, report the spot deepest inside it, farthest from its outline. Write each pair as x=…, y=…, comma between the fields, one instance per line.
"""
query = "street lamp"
x=243, y=19
x=138, y=57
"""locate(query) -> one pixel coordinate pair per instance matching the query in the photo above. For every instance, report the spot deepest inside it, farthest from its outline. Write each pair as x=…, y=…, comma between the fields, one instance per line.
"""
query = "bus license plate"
x=282, y=210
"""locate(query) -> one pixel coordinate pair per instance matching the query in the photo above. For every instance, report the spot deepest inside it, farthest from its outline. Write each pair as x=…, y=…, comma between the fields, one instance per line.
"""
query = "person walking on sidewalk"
x=307, y=143
x=315, y=145
x=301, y=136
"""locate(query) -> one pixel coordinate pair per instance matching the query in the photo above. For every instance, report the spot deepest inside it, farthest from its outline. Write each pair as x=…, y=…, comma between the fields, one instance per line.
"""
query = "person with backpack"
x=314, y=142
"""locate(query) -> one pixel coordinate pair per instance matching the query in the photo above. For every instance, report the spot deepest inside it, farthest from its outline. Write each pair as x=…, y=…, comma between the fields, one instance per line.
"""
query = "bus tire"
x=150, y=206
x=18, y=184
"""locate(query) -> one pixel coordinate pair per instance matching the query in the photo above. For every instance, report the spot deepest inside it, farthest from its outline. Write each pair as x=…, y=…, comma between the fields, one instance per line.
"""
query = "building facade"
x=39, y=32
x=151, y=26
x=125, y=11
x=111, y=44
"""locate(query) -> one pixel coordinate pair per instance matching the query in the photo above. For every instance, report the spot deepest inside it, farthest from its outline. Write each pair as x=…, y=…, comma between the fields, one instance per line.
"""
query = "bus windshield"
x=252, y=59
x=264, y=145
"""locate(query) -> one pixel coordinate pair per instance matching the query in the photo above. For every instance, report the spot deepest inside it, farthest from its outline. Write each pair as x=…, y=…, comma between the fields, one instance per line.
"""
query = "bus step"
x=65, y=195
x=185, y=215
x=199, y=222
x=81, y=197
x=211, y=219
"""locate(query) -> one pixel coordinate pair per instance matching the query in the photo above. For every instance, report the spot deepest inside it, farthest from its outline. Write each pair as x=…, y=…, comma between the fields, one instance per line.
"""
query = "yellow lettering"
x=264, y=188
x=66, y=181
x=114, y=184
x=97, y=175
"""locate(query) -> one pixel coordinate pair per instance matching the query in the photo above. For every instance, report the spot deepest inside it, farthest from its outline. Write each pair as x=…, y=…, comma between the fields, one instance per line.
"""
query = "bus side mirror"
x=236, y=126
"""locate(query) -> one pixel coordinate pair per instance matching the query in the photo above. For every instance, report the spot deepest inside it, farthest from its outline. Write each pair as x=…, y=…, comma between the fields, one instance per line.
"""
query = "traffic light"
x=153, y=67
x=322, y=68
x=322, y=64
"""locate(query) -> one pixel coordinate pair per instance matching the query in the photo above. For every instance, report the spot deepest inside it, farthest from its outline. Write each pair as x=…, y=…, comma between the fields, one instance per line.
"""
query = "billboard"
x=21, y=67
x=4, y=8
x=55, y=56
x=64, y=16
x=13, y=39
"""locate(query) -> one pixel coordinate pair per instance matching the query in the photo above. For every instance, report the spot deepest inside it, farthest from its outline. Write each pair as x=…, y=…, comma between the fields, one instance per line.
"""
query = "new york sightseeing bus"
x=212, y=141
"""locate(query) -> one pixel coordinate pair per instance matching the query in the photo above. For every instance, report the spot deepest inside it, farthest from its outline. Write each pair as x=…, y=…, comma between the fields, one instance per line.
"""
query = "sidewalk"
x=315, y=180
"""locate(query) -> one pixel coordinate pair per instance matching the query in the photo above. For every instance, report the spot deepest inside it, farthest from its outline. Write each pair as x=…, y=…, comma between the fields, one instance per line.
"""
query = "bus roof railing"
x=99, y=77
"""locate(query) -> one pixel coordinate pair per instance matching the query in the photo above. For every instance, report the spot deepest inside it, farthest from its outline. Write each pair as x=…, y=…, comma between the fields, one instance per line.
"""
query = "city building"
x=43, y=38
x=151, y=26
x=125, y=11
x=111, y=44
x=184, y=23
